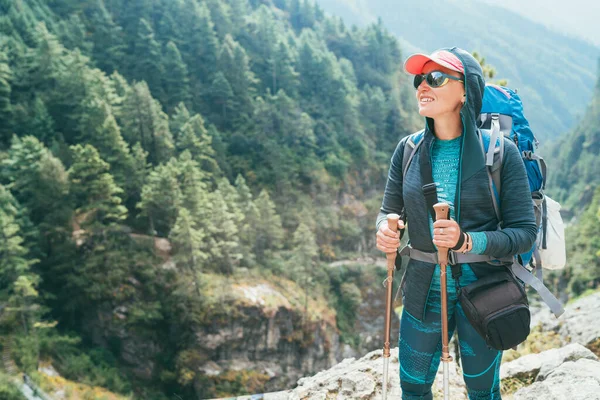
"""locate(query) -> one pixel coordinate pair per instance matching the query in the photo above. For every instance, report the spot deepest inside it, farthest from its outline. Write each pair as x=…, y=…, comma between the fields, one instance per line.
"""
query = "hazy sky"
x=574, y=17
x=580, y=18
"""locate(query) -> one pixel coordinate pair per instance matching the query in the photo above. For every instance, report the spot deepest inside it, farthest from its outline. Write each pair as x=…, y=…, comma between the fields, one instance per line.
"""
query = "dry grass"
x=76, y=391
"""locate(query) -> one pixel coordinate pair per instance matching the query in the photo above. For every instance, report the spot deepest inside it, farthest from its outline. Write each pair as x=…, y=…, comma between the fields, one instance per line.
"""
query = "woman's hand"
x=388, y=241
x=446, y=233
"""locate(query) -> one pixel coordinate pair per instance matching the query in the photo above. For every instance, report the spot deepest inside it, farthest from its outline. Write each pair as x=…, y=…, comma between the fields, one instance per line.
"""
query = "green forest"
x=157, y=154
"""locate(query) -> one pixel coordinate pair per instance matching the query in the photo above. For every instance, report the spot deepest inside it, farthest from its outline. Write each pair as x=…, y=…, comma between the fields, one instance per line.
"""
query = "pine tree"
x=161, y=199
x=223, y=239
x=35, y=120
x=143, y=121
x=138, y=178
x=107, y=36
x=239, y=9
x=220, y=14
x=17, y=281
x=302, y=263
x=194, y=138
x=284, y=75
x=94, y=192
x=176, y=79
x=178, y=118
x=187, y=244
x=38, y=182
x=194, y=187
x=14, y=262
x=243, y=82
x=73, y=34
x=264, y=33
x=201, y=46
x=147, y=59
x=245, y=203
x=99, y=128
x=373, y=109
x=5, y=105
x=221, y=96
x=268, y=230
x=13, y=209
x=232, y=199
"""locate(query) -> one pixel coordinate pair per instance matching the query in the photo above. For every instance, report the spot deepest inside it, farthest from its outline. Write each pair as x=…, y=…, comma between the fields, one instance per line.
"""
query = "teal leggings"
x=420, y=347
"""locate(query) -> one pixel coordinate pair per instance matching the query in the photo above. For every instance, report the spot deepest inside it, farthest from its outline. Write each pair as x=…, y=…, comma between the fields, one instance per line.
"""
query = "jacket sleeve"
x=392, y=196
x=519, y=230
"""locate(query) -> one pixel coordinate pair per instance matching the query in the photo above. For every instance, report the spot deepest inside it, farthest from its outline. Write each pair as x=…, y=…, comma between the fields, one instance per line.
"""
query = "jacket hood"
x=474, y=87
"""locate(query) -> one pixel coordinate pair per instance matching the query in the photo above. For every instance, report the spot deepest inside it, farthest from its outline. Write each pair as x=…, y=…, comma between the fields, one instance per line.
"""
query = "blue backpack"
x=502, y=115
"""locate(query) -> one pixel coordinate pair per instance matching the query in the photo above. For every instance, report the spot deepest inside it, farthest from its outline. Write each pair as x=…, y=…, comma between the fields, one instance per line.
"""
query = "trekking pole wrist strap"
x=461, y=240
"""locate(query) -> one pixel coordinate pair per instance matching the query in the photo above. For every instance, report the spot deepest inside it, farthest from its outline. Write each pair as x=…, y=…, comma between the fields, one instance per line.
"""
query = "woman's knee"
x=415, y=391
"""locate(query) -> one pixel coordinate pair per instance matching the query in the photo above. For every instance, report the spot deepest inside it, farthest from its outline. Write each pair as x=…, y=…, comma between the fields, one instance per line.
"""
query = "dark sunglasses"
x=434, y=79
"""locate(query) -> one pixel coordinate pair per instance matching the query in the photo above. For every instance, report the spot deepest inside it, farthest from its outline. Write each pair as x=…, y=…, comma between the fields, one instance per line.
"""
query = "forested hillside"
x=156, y=152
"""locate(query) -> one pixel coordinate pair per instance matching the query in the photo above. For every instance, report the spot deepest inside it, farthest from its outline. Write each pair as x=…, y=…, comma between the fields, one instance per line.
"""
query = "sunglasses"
x=434, y=79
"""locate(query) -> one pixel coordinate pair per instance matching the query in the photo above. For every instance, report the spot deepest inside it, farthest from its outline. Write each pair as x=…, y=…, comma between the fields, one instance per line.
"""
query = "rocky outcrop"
x=273, y=345
x=361, y=379
x=579, y=324
x=267, y=331
x=260, y=331
x=538, y=366
x=573, y=380
x=570, y=372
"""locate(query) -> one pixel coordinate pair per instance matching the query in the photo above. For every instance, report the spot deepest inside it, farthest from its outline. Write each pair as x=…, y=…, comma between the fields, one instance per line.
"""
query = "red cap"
x=415, y=63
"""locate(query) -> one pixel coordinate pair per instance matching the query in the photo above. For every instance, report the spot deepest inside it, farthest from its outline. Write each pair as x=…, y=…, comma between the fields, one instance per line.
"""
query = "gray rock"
x=538, y=366
x=362, y=379
x=573, y=380
x=541, y=315
x=580, y=322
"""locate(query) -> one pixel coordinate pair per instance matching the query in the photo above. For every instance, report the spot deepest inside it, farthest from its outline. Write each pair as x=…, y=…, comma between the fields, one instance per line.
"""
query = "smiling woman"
x=447, y=159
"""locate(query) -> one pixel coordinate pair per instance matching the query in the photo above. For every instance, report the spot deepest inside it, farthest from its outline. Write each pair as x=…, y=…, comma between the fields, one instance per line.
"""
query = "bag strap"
x=527, y=277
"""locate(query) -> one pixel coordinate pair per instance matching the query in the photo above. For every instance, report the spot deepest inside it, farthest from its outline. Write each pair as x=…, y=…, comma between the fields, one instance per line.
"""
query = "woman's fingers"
x=444, y=223
x=391, y=240
x=388, y=241
x=444, y=243
x=446, y=233
x=387, y=249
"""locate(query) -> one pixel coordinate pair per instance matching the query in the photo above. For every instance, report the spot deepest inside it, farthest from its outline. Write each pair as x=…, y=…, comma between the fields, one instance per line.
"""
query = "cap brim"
x=415, y=63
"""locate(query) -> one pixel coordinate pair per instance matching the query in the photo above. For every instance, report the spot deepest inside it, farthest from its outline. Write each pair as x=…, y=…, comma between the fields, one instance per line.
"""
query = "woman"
x=449, y=89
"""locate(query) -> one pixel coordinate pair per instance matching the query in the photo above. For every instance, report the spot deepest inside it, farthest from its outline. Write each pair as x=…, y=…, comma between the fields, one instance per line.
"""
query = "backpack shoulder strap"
x=494, y=169
x=410, y=148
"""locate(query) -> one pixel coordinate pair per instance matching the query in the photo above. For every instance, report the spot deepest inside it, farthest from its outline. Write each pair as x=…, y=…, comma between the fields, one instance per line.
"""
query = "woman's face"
x=435, y=102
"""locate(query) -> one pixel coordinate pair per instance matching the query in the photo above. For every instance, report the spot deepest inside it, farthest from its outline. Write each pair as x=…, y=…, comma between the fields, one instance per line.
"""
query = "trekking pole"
x=441, y=212
x=392, y=220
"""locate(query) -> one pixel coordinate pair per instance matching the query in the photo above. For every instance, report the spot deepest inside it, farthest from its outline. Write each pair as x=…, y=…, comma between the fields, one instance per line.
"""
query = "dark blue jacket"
x=473, y=205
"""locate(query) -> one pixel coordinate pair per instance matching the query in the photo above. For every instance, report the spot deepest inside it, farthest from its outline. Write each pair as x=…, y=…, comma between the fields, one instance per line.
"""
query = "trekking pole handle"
x=441, y=212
